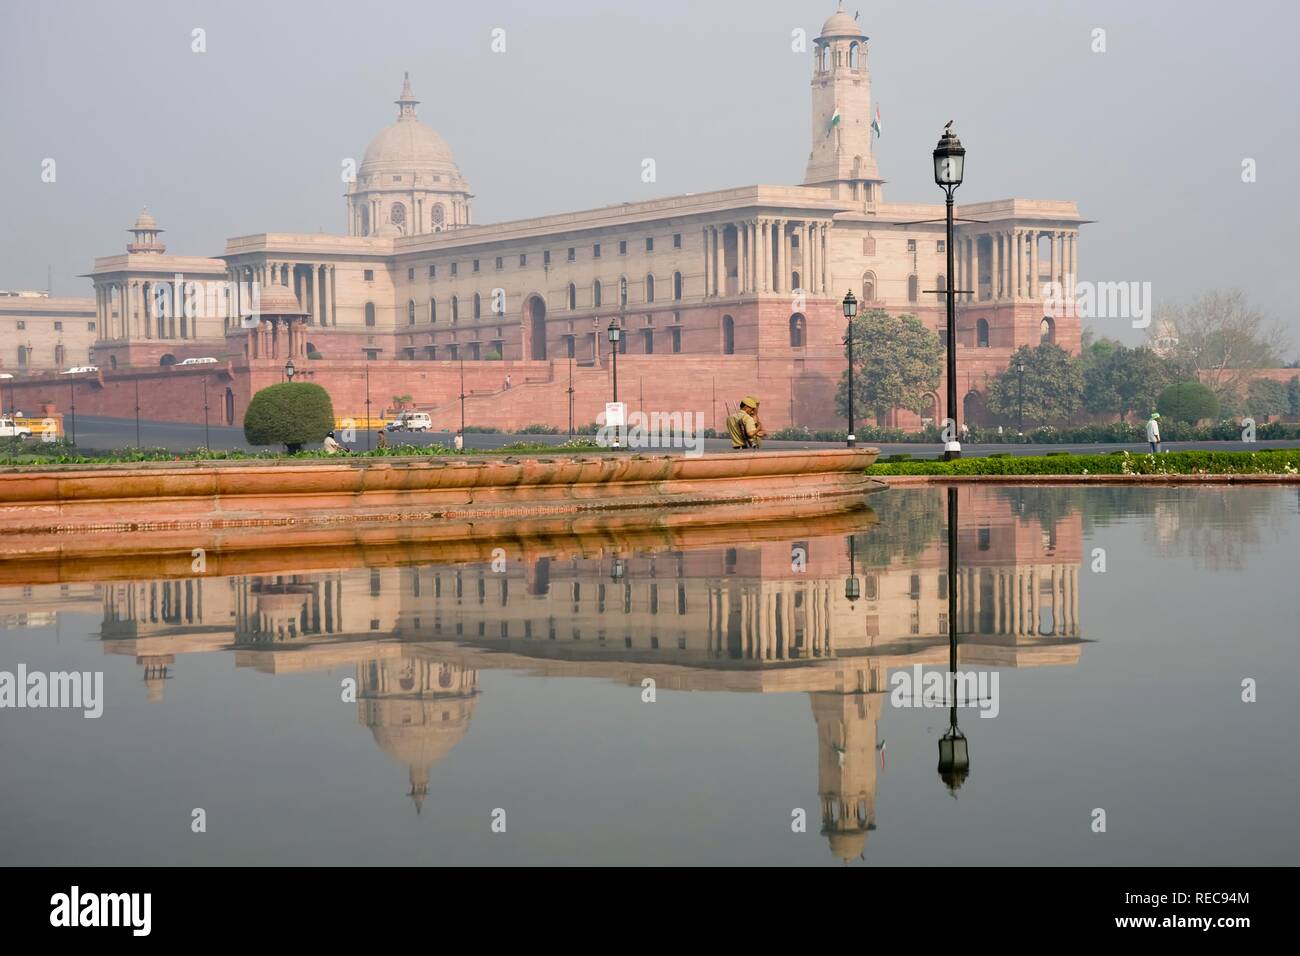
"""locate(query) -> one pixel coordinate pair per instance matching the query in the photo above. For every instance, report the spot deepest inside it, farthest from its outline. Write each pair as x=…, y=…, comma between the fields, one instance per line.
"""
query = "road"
x=106, y=434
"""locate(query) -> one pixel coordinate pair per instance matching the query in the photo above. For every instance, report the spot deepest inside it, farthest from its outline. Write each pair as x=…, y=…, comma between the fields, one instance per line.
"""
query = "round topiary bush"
x=1188, y=402
x=292, y=414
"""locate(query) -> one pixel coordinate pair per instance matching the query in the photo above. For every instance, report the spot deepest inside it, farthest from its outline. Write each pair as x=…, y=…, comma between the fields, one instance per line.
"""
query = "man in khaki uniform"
x=745, y=429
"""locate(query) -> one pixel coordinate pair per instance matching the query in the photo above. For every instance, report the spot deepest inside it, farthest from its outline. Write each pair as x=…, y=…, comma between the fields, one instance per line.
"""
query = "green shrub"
x=539, y=430
x=292, y=414
x=1271, y=462
x=1188, y=402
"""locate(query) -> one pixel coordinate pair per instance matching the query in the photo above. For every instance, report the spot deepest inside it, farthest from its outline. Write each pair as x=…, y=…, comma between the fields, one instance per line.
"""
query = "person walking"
x=1153, y=432
x=743, y=426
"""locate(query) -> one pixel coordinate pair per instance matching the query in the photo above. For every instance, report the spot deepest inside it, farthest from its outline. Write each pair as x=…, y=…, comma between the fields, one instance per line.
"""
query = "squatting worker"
x=745, y=429
x=331, y=444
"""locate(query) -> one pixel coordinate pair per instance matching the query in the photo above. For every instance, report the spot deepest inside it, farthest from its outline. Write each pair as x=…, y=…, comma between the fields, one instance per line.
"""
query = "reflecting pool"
x=756, y=697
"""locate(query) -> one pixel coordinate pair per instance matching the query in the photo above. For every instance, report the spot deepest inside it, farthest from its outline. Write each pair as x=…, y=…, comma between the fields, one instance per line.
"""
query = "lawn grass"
x=1271, y=462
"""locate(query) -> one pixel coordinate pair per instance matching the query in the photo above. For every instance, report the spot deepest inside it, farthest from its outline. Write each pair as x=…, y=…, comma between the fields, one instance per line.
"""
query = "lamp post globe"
x=850, y=311
x=289, y=370
x=949, y=160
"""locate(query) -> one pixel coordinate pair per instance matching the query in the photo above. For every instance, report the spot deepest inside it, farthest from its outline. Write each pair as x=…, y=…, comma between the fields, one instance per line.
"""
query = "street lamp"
x=615, y=334
x=369, y=438
x=289, y=370
x=72, y=391
x=852, y=588
x=1020, y=401
x=949, y=167
x=207, y=444
x=850, y=310
x=570, y=390
x=954, y=751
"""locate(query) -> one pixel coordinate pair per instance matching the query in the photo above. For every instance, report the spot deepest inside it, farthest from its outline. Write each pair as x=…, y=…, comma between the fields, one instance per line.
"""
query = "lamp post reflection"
x=954, y=753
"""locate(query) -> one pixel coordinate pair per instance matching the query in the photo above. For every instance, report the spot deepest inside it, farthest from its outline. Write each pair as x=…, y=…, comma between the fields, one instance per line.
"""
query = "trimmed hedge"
x=1271, y=462
x=292, y=414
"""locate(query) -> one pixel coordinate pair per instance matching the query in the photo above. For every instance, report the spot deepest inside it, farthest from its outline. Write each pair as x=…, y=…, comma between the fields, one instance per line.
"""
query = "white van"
x=11, y=429
x=411, y=422
x=206, y=360
x=80, y=369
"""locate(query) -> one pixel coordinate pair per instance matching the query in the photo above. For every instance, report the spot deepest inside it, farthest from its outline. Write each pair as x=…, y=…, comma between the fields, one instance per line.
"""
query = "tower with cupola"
x=842, y=156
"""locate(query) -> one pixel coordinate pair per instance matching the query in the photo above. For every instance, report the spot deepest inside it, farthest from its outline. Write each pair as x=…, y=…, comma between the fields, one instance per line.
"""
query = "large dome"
x=408, y=148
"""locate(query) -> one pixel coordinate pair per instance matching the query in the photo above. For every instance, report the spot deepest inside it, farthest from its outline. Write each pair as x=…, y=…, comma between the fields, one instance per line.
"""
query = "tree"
x=896, y=364
x=1120, y=379
x=1053, y=385
x=1293, y=397
x=1219, y=338
x=292, y=414
x=1265, y=397
x=1188, y=402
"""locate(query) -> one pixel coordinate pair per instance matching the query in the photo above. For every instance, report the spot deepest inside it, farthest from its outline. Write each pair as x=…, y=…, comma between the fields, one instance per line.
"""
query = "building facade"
x=718, y=294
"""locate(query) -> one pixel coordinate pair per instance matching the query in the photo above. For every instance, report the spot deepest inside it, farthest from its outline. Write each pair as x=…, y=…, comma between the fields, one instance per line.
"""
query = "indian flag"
x=835, y=121
x=875, y=123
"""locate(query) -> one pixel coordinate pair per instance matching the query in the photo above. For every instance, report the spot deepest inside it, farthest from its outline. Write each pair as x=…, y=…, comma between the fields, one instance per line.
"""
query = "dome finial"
x=407, y=102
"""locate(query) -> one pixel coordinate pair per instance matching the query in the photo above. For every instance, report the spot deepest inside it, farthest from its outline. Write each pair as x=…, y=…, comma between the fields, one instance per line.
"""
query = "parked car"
x=5, y=375
x=410, y=422
x=80, y=369
x=11, y=429
x=205, y=360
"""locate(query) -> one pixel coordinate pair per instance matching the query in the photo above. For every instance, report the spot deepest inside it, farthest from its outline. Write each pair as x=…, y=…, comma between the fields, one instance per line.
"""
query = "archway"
x=1047, y=331
x=535, y=318
x=230, y=406
x=167, y=359
x=973, y=408
x=797, y=331
x=982, y=333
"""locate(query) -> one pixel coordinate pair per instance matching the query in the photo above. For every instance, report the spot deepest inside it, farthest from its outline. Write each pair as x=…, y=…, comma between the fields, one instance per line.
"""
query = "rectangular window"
x=677, y=338
x=501, y=262
x=58, y=326
x=622, y=247
x=595, y=251
x=523, y=259
x=573, y=254
x=869, y=246
x=649, y=244
x=546, y=257
x=369, y=275
x=476, y=265
x=649, y=341
x=433, y=271
x=939, y=245
x=410, y=275
x=21, y=325
x=911, y=245
x=677, y=240
x=455, y=268
x=90, y=326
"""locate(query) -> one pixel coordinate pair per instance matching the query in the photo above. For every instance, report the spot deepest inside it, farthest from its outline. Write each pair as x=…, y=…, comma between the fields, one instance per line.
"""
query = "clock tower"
x=842, y=155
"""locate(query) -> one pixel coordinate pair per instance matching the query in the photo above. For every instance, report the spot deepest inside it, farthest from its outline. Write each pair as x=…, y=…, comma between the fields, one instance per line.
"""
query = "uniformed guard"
x=745, y=429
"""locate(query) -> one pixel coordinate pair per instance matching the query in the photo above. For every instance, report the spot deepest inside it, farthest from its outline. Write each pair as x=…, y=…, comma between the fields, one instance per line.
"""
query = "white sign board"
x=615, y=414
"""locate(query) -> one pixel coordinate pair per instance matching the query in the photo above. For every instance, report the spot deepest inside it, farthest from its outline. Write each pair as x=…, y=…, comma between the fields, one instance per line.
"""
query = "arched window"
x=478, y=306
x=410, y=312
x=1047, y=331
x=433, y=311
x=649, y=288
x=982, y=334
x=941, y=287
x=853, y=56
x=439, y=217
x=677, y=285
x=797, y=331
x=622, y=291
x=58, y=357
x=728, y=335
x=370, y=313
x=397, y=215
x=795, y=281
x=112, y=361
x=365, y=220
x=455, y=308
x=913, y=288
x=595, y=293
x=573, y=296
x=868, y=287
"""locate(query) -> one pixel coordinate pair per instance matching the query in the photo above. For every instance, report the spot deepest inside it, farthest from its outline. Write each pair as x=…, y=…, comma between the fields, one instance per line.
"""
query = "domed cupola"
x=408, y=183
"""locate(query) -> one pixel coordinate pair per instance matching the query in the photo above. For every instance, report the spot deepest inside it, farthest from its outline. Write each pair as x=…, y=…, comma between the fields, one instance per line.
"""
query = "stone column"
x=705, y=236
x=1054, y=244
x=779, y=280
x=995, y=273
x=825, y=252
x=720, y=261
x=1032, y=235
x=334, y=311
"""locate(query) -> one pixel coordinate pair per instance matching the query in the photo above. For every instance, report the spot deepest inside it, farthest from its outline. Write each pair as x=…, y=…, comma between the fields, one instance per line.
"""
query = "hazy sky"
x=249, y=136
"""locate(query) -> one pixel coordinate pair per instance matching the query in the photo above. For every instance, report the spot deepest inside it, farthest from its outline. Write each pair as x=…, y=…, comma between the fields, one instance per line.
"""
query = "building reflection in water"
x=763, y=616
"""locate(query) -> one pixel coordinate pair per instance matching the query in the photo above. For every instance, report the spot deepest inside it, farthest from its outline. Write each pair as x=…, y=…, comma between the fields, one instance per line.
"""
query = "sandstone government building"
x=718, y=294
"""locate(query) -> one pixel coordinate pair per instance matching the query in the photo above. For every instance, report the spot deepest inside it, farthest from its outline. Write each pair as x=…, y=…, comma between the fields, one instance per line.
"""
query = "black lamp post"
x=369, y=438
x=289, y=371
x=615, y=334
x=570, y=392
x=1020, y=400
x=460, y=356
x=852, y=588
x=72, y=391
x=137, y=412
x=206, y=443
x=949, y=168
x=954, y=752
x=850, y=310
